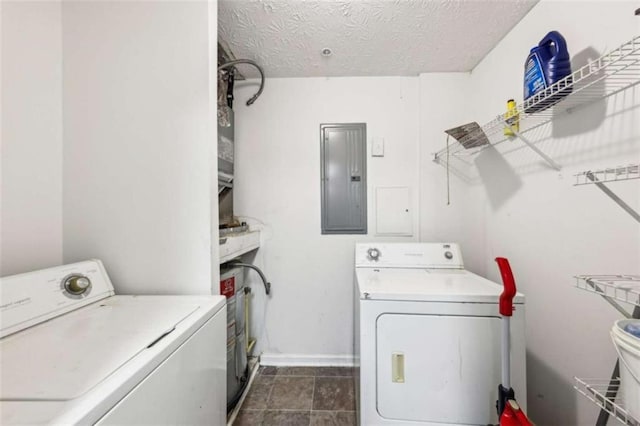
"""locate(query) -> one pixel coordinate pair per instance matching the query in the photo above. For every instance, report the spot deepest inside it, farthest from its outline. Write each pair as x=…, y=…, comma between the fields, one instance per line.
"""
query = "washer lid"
x=69, y=355
x=427, y=285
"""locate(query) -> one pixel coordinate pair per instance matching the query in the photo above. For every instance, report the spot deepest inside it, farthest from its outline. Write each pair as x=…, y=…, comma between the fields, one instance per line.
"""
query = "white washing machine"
x=72, y=352
x=428, y=338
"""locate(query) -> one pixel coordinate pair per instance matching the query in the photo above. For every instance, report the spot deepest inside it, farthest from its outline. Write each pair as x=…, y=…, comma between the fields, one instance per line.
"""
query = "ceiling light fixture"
x=326, y=52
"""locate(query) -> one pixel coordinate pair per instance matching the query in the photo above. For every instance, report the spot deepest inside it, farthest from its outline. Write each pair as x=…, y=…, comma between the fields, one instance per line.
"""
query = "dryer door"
x=441, y=369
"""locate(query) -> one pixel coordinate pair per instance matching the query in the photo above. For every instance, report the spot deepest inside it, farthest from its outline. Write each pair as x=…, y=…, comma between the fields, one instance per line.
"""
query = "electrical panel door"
x=344, y=178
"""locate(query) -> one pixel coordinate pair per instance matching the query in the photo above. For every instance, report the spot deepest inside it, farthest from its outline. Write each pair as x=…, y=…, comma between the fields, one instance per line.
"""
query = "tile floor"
x=300, y=396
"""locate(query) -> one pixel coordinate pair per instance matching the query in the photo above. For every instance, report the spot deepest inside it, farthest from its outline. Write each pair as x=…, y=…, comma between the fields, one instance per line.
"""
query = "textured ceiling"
x=367, y=37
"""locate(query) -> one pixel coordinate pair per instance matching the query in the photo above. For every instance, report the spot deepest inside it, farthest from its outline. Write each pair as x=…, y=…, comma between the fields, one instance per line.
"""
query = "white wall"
x=278, y=183
x=549, y=229
x=31, y=92
x=138, y=142
x=444, y=103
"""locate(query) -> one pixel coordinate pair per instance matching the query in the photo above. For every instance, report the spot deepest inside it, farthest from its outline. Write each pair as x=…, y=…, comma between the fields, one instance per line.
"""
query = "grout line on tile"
x=293, y=375
x=273, y=385
x=337, y=377
x=313, y=396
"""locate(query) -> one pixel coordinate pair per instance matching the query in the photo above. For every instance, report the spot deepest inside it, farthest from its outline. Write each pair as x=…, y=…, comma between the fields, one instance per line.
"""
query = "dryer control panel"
x=408, y=255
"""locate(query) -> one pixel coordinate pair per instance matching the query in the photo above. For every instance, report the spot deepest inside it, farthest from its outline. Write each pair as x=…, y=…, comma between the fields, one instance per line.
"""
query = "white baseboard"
x=299, y=360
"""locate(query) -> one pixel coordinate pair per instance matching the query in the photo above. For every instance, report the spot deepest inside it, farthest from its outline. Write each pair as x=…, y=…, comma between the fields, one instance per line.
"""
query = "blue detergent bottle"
x=548, y=63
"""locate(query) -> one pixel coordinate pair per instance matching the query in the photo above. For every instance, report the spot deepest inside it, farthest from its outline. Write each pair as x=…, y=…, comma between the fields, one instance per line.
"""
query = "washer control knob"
x=448, y=255
x=373, y=254
x=77, y=284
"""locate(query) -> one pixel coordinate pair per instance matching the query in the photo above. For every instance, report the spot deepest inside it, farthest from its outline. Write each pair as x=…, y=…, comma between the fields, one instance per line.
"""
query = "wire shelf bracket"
x=614, y=289
x=604, y=393
x=630, y=172
x=610, y=174
x=534, y=148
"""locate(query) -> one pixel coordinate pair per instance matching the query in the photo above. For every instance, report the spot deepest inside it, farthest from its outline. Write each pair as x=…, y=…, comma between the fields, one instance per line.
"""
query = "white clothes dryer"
x=72, y=352
x=428, y=338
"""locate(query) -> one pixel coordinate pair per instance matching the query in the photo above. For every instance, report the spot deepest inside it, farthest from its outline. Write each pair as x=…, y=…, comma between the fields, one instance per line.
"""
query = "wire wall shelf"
x=603, y=77
x=604, y=393
x=623, y=288
x=611, y=174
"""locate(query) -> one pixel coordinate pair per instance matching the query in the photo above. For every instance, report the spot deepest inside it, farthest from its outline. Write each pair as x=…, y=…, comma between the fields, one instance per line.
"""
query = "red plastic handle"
x=506, y=298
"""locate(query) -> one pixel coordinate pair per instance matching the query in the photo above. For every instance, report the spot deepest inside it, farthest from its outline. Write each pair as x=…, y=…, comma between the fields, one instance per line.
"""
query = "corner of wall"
x=213, y=136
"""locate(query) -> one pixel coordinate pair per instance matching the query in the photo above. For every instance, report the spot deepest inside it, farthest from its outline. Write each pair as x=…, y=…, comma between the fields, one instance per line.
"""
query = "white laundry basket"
x=628, y=349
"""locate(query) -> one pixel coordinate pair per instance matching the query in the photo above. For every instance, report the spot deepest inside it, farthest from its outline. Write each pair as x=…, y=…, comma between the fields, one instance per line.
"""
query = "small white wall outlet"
x=377, y=147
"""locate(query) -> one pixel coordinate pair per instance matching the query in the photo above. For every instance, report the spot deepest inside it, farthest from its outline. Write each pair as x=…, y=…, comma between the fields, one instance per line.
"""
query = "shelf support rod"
x=534, y=148
x=612, y=302
x=613, y=196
